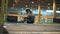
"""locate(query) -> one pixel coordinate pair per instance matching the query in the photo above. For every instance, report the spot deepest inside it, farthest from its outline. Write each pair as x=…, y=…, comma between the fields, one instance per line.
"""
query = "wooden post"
x=2, y=12
x=39, y=11
x=38, y=18
x=54, y=9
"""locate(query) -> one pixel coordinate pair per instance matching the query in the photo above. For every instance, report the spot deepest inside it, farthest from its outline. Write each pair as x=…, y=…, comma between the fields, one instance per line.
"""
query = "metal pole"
x=6, y=14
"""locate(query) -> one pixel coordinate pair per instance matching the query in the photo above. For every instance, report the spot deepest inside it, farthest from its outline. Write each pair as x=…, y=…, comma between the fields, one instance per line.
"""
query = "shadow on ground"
x=5, y=31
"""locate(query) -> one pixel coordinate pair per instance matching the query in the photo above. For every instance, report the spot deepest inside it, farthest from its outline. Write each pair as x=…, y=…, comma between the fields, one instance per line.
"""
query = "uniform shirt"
x=30, y=18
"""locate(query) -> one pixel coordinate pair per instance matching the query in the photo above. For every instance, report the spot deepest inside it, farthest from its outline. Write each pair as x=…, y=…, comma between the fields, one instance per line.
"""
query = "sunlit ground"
x=48, y=23
x=24, y=28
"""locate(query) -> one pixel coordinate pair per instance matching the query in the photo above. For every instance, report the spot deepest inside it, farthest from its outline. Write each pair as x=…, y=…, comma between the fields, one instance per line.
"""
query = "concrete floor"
x=19, y=27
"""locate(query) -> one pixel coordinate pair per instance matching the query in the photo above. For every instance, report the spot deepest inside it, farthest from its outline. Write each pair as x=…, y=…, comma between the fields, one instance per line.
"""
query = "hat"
x=27, y=10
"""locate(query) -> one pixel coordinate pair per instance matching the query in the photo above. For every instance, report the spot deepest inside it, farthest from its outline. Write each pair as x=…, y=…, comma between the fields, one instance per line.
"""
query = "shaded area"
x=56, y=20
x=12, y=19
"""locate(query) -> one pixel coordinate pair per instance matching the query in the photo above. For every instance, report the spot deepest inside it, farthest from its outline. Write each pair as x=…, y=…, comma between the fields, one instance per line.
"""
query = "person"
x=30, y=17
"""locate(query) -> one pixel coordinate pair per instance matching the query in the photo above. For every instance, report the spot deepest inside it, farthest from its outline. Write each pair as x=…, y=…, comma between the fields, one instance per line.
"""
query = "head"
x=28, y=11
